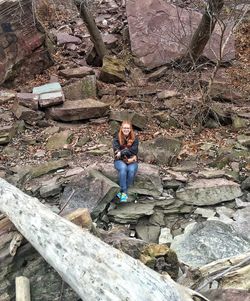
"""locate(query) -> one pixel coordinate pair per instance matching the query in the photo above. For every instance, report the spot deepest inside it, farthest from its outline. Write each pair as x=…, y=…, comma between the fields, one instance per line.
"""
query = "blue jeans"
x=127, y=174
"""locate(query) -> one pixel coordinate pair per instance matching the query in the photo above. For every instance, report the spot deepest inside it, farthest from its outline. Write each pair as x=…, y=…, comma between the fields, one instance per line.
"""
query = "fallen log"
x=95, y=270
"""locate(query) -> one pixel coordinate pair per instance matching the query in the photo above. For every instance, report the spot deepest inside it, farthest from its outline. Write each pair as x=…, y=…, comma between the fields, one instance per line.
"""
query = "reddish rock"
x=110, y=40
x=51, y=99
x=77, y=72
x=65, y=38
x=79, y=110
x=159, y=32
x=28, y=100
x=20, y=41
x=26, y=114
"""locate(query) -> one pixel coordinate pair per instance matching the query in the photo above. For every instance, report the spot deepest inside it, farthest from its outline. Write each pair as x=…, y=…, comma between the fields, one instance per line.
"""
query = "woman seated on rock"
x=125, y=146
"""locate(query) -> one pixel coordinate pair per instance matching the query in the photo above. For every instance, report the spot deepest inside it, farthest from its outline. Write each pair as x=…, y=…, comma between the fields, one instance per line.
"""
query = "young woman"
x=125, y=146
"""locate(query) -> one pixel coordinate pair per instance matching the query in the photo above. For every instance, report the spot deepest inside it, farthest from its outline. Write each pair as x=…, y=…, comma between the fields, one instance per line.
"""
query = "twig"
x=67, y=202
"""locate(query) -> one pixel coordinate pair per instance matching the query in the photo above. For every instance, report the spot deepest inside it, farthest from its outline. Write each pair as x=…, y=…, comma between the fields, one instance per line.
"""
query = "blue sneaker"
x=124, y=198
x=119, y=194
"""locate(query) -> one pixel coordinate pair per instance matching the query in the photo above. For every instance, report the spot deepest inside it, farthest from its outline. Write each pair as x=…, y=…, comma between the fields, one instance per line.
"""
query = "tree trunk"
x=95, y=270
x=92, y=28
x=204, y=30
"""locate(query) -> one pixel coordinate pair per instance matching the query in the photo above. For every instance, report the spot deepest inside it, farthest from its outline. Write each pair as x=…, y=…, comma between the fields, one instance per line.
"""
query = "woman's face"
x=126, y=129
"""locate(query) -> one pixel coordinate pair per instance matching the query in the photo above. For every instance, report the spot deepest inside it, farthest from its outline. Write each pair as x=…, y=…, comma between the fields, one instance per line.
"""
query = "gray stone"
x=205, y=242
x=147, y=180
x=79, y=110
x=130, y=212
x=209, y=192
x=147, y=233
x=59, y=140
x=225, y=211
x=44, y=168
x=227, y=294
x=242, y=222
x=47, y=88
x=138, y=120
x=157, y=219
x=206, y=213
x=211, y=173
x=160, y=33
x=92, y=191
x=6, y=96
x=81, y=89
x=160, y=150
x=65, y=38
x=26, y=114
x=51, y=99
x=6, y=134
x=165, y=236
x=238, y=122
x=51, y=189
x=246, y=184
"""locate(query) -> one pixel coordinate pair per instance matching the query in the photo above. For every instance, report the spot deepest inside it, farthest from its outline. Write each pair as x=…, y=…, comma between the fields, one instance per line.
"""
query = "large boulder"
x=81, y=89
x=138, y=120
x=79, y=110
x=21, y=43
x=160, y=150
x=160, y=33
x=205, y=192
x=147, y=180
x=91, y=190
x=113, y=70
x=205, y=242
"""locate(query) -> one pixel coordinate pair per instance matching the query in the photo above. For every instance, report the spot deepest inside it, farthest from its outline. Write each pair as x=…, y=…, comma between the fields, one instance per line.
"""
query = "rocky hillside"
x=192, y=190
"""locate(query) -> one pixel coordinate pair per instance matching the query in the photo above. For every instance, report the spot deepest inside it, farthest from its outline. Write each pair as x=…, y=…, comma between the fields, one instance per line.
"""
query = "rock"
x=244, y=140
x=22, y=43
x=137, y=120
x=77, y=72
x=160, y=32
x=92, y=191
x=147, y=232
x=209, y=192
x=47, y=88
x=157, y=74
x=6, y=134
x=26, y=114
x=239, y=122
x=65, y=38
x=223, y=92
x=79, y=110
x=161, y=150
x=227, y=294
x=59, y=140
x=211, y=173
x=130, y=212
x=110, y=40
x=82, y=141
x=81, y=89
x=136, y=91
x=225, y=211
x=113, y=70
x=28, y=100
x=165, y=236
x=74, y=171
x=6, y=96
x=105, y=89
x=165, y=94
x=241, y=222
x=161, y=259
x=206, y=213
x=147, y=180
x=51, y=99
x=51, y=189
x=42, y=169
x=205, y=242
x=157, y=219
x=245, y=185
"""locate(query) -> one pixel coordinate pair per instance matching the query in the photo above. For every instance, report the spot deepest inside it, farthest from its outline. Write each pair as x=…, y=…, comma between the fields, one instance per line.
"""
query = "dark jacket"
x=126, y=151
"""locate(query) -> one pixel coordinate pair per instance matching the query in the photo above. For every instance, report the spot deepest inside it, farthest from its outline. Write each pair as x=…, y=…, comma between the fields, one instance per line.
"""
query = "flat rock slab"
x=159, y=33
x=28, y=100
x=92, y=191
x=205, y=242
x=59, y=140
x=205, y=192
x=51, y=99
x=6, y=134
x=130, y=212
x=136, y=119
x=79, y=110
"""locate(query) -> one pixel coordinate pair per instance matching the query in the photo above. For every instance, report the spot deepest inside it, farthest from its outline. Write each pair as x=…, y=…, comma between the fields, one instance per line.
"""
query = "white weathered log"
x=95, y=270
x=22, y=289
